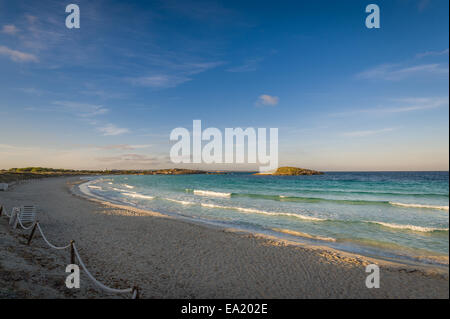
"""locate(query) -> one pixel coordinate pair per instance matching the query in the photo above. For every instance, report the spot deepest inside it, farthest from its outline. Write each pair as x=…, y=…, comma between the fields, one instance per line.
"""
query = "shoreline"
x=281, y=235
x=181, y=259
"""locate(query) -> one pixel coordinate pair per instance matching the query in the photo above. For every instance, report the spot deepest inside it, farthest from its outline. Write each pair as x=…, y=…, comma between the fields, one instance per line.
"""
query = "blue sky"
x=107, y=95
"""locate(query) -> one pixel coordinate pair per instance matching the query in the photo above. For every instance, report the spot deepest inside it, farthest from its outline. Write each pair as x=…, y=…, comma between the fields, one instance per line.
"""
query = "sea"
x=389, y=215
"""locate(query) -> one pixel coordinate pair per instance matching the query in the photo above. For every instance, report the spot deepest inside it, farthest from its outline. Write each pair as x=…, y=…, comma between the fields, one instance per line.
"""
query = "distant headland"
x=17, y=174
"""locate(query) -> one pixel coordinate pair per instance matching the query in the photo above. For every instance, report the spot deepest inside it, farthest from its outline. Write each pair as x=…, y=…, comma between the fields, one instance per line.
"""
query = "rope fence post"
x=1, y=210
x=32, y=233
x=135, y=293
x=16, y=220
x=72, y=252
x=73, y=255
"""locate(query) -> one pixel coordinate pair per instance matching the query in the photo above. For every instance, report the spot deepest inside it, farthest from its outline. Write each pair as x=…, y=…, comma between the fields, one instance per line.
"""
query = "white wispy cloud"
x=82, y=109
x=399, y=105
x=267, y=100
x=10, y=29
x=44, y=35
x=134, y=159
x=175, y=73
x=17, y=56
x=8, y=147
x=89, y=113
x=191, y=68
x=159, y=81
x=366, y=132
x=32, y=90
x=415, y=104
x=112, y=130
x=249, y=65
x=395, y=72
x=432, y=53
x=124, y=147
x=207, y=11
x=41, y=33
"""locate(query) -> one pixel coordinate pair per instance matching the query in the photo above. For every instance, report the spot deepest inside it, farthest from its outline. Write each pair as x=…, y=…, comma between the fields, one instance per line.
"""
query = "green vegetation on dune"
x=17, y=174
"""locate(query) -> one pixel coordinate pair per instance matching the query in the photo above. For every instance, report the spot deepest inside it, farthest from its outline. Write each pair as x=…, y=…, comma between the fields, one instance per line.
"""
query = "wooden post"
x=16, y=220
x=72, y=252
x=135, y=289
x=32, y=233
x=1, y=210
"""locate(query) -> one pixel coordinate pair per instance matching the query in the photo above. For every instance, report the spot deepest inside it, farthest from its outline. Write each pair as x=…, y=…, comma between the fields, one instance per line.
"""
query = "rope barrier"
x=21, y=225
x=98, y=283
x=6, y=213
x=134, y=291
x=48, y=243
x=3, y=210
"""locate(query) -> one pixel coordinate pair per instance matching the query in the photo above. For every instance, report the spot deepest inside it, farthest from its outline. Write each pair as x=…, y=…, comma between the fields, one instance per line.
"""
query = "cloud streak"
x=89, y=112
x=175, y=73
x=123, y=147
x=82, y=109
x=133, y=159
x=267, y=100
x=394, y=72
x=160, y=81
x=10, y=29
x=112, y=130
x=17, y=56
x=402, y=105
x=249, y=65
x=366, y=132
x=432, y=53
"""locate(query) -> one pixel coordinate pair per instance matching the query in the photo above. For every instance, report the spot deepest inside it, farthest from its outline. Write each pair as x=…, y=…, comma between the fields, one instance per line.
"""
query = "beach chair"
x=24, y=215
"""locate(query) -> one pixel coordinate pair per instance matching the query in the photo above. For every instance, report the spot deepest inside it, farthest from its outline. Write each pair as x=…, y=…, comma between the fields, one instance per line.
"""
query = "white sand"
x=170, y=258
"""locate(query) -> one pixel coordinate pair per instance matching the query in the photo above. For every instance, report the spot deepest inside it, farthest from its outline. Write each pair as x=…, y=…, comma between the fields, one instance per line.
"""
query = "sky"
x=107, y=95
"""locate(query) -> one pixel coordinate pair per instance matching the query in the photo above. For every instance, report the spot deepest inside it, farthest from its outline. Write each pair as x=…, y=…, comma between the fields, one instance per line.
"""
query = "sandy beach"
x=172, y=258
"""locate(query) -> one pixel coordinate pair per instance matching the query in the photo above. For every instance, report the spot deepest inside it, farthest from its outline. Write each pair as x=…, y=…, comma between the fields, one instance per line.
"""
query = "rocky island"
x=292, y=171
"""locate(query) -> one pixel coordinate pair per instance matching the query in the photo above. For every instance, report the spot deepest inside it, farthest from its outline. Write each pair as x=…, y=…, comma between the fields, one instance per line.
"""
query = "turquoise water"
x=391, y=214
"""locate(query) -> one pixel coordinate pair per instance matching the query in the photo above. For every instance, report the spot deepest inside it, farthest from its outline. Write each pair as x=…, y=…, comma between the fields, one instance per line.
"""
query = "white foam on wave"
x=305, y=235
x=257, y=211
x=128, y=186
x=94, y=187
x=135, y=195
x=419, y=206
x=182, y=202
x=409, y=227
x=211, y=193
